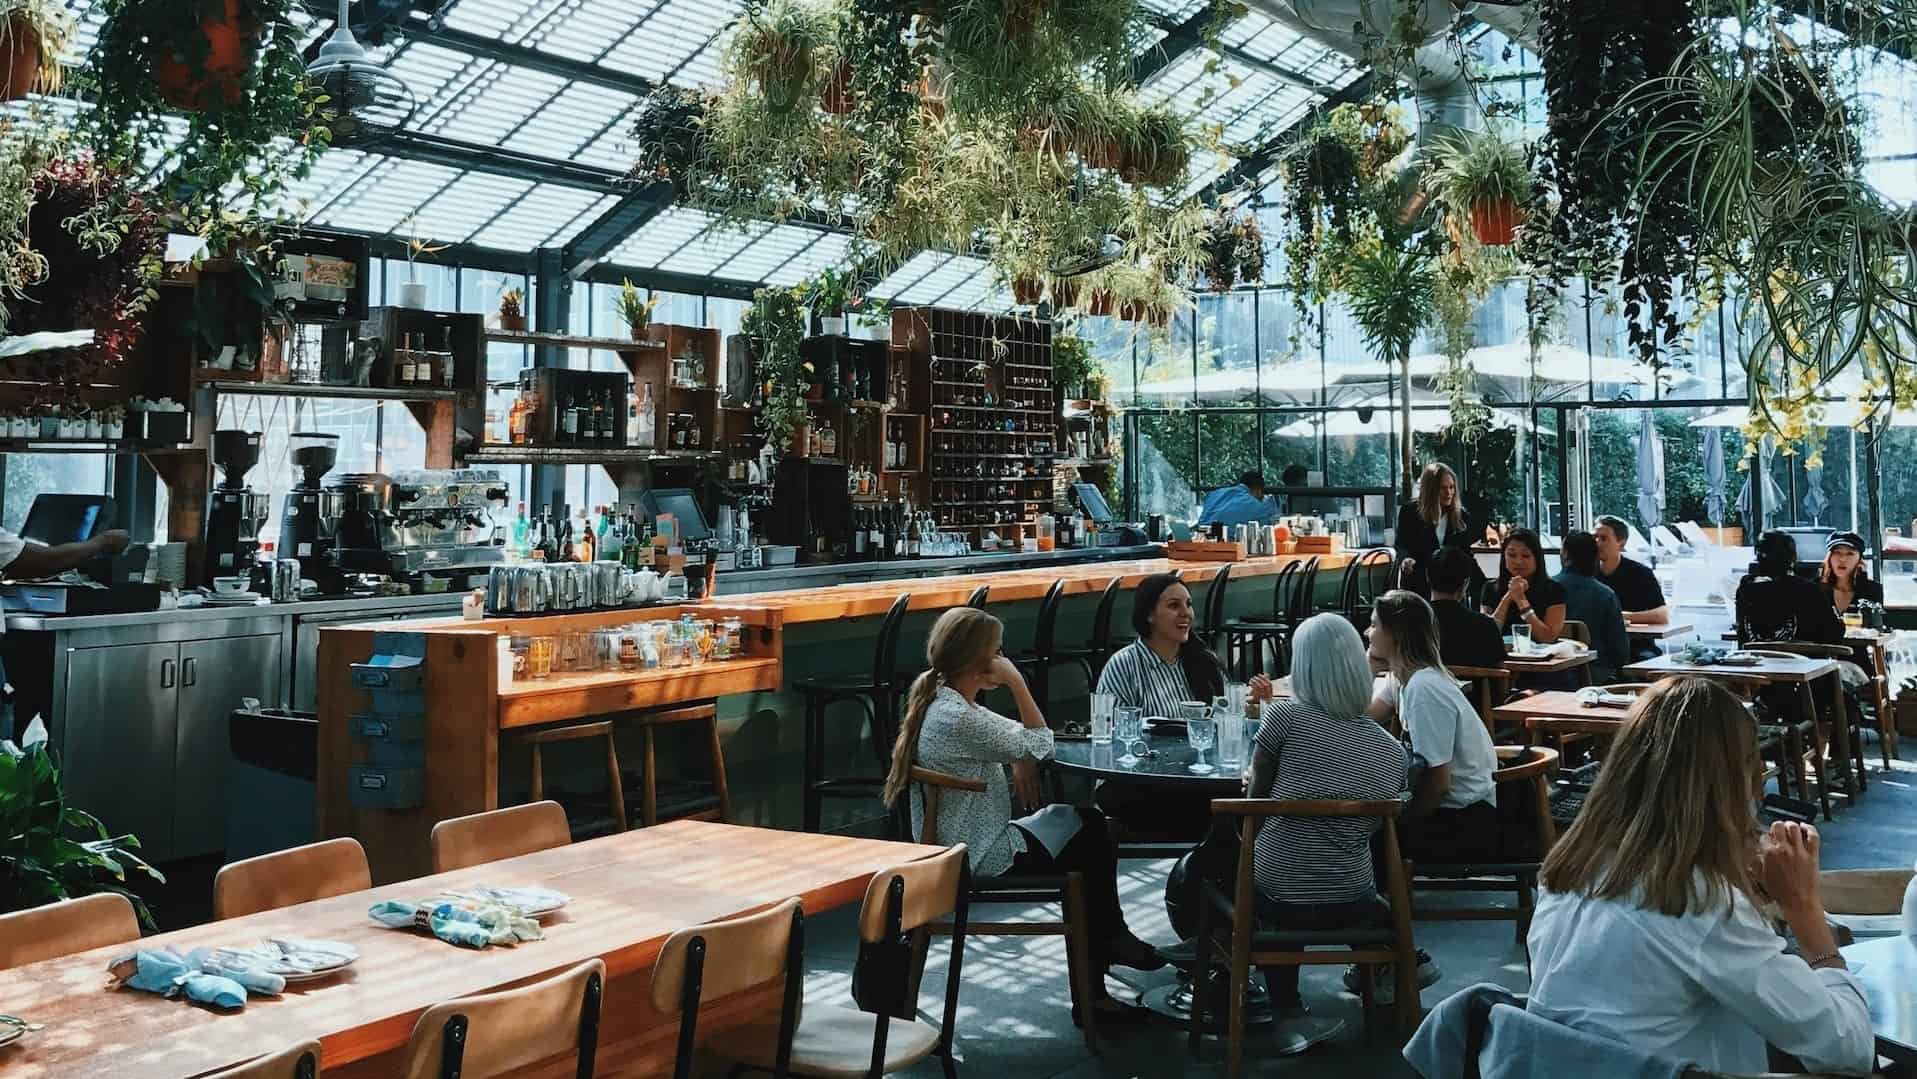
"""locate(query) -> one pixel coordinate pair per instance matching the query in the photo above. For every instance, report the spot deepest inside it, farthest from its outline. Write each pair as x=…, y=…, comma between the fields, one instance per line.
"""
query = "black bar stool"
x=1247, y=638
x=877, y=695
x=1037, y=664
x=1100, y=645
x=1360, y=586
x=977, y=602
x=1211, y=628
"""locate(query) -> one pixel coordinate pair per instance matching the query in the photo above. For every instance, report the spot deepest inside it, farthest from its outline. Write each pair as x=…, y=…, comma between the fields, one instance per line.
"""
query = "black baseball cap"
x=1844, y=539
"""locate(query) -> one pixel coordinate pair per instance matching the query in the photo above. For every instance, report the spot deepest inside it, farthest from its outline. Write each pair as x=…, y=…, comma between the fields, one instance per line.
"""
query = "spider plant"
x=777, y=44
x=635, y=309
x=33, y=35
x=1480, y=177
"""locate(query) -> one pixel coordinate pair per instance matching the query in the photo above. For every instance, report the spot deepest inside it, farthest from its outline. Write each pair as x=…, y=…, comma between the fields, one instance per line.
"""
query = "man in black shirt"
x=1466, y=638
x=1636, y=586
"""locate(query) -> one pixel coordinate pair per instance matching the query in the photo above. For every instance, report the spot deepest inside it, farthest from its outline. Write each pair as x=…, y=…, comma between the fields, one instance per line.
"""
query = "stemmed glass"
x=1201, y=732
x=1129, y=727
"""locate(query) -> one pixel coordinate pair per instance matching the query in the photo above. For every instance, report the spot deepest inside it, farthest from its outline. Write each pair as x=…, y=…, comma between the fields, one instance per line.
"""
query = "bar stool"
x=1358, y=589
x=1212, y=627
x=1100, y=645
x=1290, y=600
x=977, y=602
x=877, y=695
x=687, y=801
x=1037, y=664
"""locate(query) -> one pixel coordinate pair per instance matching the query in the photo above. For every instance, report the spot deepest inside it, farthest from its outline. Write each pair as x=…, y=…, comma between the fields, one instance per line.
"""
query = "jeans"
x=1092, y=854
x=1468, y=834
x=1282, y=982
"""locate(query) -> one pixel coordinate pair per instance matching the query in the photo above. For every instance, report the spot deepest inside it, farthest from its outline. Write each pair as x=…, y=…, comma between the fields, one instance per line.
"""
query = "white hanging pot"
x=413, y=294
x=832, y=326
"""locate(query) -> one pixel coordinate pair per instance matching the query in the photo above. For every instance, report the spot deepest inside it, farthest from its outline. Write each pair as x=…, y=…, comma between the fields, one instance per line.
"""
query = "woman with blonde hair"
x=1654, y=922
x=1437, y=519
x=946, y=730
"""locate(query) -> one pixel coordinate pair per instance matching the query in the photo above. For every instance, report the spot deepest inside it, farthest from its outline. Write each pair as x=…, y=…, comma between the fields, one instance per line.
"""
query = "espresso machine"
x=433, y=529
x=235, y=511
x=310, y=512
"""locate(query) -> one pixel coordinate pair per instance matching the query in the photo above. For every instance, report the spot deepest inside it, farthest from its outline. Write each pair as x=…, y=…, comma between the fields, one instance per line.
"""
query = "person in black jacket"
x=1845, y=581
x=1775, y=604
x=1466, y=638
x=1437, y=519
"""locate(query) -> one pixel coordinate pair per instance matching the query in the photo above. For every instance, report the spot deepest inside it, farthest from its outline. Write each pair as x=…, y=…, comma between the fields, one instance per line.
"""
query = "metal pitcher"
x=609, y=583
x=531, y=590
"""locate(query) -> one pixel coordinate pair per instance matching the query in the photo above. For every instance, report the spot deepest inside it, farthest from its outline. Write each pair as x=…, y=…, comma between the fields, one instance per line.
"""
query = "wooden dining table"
x=628, y=893
x=1657, y=631
x=1565, y=713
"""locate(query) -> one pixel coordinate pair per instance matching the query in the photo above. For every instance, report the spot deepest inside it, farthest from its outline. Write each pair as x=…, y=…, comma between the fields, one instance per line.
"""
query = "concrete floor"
x=1014, y=1011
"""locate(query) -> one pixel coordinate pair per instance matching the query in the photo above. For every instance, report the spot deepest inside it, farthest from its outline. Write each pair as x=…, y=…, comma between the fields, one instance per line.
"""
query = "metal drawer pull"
x=166, y=674
x=189, y=672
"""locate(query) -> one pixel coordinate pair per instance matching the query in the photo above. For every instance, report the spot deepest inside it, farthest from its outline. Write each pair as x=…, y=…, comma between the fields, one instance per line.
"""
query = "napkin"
x=468, y=923
x=1561, y=648
x=198, y=975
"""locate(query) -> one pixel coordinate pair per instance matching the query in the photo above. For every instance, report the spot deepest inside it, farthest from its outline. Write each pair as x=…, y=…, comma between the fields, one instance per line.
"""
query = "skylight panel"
x=568, y=121
x=495, y=105
x=710, y=249
x=435, y=75
x=660, y=237
x=767, y=253
x=591, y=31
x=828, y=251
x=908, y=275
x=381, y=200
x=469, y=202
x=505, y=20
x=672, y=37
x=547, y=215
x=578, y=224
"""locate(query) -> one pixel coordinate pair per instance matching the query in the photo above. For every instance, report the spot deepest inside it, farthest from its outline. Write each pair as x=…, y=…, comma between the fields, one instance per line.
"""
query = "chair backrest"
x=1253, y=812
x=932, y=786
x=1492, y=685
x=929, y=890
x=1102, y=617
x=1576, y=631
x=977, y=602
x=66, y=926
x=498, y=834
x=294, y=1062
x=495, y=1033
x=885, y=651
x=283, y=878
x=1046, y=630
x=1800, y=649
x=1628, y=689
x=1362, y=578
x=1523, y=777
x=1305, y=594
x=718, y=959
x=1215, y=599
x=1281, y=585
x=1864, y=891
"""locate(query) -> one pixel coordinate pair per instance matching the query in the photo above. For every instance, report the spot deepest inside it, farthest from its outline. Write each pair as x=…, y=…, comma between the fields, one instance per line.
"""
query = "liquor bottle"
x=446, y=358
x=914, y=538
x=609, y=425
x=891, y=537
x=612, y=543
x=828, y=440
x=519, y=534
x=859, y=533
x=565, y=418
x=584, y=541
x=516, y=417
x=550, y=542
x=695, y=437
x=592, y=418
x=875, y=541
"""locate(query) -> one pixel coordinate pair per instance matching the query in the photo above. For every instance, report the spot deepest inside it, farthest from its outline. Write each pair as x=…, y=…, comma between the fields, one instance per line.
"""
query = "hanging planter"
x=1100, y=302
x=778, y=45
x=195, y=84
x=32, y=37
x=21, y=55
x=1495, y=221
x=1027, y=291
x=836, y=97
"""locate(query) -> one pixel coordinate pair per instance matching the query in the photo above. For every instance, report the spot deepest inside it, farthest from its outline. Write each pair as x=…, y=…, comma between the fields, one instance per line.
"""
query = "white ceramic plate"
x=529, y=901
x=12, y=1030
x=302, y=960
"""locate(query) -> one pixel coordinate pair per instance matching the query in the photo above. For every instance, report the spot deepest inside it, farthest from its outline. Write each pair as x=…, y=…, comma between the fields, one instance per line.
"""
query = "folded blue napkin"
x=465, y=923
x=197, y=976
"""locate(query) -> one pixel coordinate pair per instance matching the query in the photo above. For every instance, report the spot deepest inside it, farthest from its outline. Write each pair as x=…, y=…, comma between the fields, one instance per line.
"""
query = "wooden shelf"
x=307, y=389
x=533, y=702
x=988, y=456
x=77, y=445
x=1083, y=462
x=563, y=340
x=994, y=408
x=580, y=455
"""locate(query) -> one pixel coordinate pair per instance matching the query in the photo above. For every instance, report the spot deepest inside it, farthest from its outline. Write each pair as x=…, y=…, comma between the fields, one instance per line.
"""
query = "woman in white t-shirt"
x=1453, y=814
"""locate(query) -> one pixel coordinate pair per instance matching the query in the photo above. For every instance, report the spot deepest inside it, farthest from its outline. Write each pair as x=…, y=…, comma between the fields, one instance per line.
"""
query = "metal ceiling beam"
x=498, y=260
x=1256, y=63
x=1250, y=166
x=620, y=220
x=1180, y=38
x=499, y=161
x=426, y=29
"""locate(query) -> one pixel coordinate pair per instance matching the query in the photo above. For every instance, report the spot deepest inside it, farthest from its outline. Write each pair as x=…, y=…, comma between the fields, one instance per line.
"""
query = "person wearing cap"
x=1775, y=604
x=1242, y=503
x=1845, y=581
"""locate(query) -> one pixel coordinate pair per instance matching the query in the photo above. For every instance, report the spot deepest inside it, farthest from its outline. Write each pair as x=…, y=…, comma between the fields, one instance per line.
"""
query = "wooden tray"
x=1319, y=544
x=1205, y=551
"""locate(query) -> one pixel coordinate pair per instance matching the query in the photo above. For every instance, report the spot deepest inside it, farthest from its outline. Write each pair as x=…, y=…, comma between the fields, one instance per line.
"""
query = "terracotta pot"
x=19, y=59
x=513, y=323
x=1027, y=291
x=221, y=80
x=1158, y=317
x=1495, y=221
x=649, y=332
x=1101, y=302
x=836, y=97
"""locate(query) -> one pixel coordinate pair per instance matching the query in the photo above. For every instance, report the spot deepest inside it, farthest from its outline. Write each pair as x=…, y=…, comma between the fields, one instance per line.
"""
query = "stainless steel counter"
x=42, y=623
x=746, y=582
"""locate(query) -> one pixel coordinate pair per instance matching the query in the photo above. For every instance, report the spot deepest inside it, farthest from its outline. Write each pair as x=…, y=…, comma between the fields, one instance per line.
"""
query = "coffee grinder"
x=235, y=511
x=309, y=516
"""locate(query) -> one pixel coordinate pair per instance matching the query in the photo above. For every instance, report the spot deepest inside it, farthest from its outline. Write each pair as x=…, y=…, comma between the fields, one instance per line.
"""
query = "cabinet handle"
x=189, y=671
x=166, y=674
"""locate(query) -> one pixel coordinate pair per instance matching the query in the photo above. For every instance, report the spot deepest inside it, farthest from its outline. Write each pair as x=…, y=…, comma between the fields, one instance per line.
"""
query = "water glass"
x=539, y=657
x=1129, y=724
x=1520, y=638
x=1202, y=734
x=1102, y=705
x=1231, y=738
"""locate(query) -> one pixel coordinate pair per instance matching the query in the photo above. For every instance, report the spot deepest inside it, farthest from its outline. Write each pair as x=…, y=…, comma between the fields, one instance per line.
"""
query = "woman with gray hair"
x=1315, y=872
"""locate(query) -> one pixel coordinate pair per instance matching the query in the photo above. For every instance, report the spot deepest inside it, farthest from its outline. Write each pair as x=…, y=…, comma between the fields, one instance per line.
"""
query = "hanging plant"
x=1234, y=249
x=33, y=35
x=1155, y=150
x=233, y=70
x=777, y=44
x=775, y=324
x=1481, y=181
x=1072, y=362
x=669, y=136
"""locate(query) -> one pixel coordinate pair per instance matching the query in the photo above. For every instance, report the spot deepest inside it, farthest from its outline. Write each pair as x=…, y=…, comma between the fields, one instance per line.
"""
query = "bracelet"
x=1524, y=612
x=1832, y=958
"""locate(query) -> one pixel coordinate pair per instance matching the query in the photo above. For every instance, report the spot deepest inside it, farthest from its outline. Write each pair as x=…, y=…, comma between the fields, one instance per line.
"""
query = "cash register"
x=1107, y=531
x=109, y=584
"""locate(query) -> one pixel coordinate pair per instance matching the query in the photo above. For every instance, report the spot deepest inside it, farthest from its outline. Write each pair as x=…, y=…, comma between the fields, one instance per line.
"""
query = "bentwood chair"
x=1367, y=577
x=1490, y=685
x=283, y=878
x=1388, y=940
x=1525, y=834
x=718, y=959
x=979, y=594
x=1210, y=627
x=66, y=926
x=1044, y=655
x=1065, y=889
x=498, y=834
x=491, y=1034
x=294, y=1062
x=1100, y=645
x=877, y=693
x=1288, y=600
x=832, y=1040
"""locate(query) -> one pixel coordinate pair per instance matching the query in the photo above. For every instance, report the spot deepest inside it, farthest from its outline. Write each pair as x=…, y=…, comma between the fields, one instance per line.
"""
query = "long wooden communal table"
x=467, y=709
x=629, y=892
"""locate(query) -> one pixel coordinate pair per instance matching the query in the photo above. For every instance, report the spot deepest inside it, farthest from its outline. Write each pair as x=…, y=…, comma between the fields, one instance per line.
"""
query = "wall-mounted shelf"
x=309, y=389
x=565, y=340
x=1083, y=462
x=580, y=455
x=55, y=445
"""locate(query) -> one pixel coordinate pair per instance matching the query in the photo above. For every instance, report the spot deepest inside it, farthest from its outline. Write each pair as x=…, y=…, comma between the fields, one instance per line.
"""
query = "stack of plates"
x=234, y=599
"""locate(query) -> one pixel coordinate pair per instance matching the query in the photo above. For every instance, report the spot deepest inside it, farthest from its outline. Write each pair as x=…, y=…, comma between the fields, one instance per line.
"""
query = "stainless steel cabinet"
x=145, y=740
x=214, y=676
x=118, y=762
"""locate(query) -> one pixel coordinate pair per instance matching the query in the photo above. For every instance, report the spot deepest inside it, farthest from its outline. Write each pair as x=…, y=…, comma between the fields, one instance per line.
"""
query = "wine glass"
x=1202, y=734
x=1129, y=726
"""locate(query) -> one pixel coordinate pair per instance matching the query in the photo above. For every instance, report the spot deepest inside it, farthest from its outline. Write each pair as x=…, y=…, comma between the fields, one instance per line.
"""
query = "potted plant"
x=512, y=316
x=1072, y=364
x=412, y=292
x=669, y=136
x=776, y=44
x=50, y=850
x=636, y=310
x=1155, y=150
x=775, y=324
x=1234, y=250
x=826, y=295
x=33, y=34
x=1480, y=176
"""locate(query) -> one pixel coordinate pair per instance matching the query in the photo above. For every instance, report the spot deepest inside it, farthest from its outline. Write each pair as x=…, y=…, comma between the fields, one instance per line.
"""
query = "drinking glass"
x=1202, y=734
x=539, y=653
x=1102, y=705
x=1230, y=732
x=1129, y=725
x=1520, y=638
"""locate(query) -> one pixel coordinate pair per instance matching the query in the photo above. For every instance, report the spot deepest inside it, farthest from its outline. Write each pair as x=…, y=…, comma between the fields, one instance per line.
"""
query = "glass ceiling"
x=515, y=90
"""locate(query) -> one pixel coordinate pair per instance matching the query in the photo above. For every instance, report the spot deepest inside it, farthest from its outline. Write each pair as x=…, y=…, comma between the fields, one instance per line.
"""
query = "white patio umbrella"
x=1650, y=472
x=1714, y=477
x=1424, y=421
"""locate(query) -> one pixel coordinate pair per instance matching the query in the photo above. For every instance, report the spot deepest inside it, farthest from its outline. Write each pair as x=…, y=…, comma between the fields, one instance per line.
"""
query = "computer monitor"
x=54, y=519
x=684, y=507
x=1092, y=501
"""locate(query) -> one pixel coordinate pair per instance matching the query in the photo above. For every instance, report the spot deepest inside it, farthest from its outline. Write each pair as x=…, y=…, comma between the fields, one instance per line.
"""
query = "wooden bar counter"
x=467, y=708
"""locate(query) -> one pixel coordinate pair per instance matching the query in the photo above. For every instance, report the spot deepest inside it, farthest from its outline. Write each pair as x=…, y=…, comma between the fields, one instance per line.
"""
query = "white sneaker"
x=1292, y=1036
x=1385, y=984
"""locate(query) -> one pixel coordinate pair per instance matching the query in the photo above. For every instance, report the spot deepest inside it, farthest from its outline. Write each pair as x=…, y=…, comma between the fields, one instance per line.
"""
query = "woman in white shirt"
x=1653, y=926
x=1453, y=814
x=946, y=730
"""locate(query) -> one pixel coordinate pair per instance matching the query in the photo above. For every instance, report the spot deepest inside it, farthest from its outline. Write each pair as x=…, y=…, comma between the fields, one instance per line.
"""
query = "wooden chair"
x=1864, y=891
x=1853, y=720
x=294, y=1062
x=1366, y=946
x=1066, y=889
x=283, y=878
x=1575, y=630
x=538, y=738
x=1492, y=686
x=718, y=959
x=66, y=926
x=497, y=835
x=716, y=806
x=491, y=1034
x=832, y=1040
x=1527, y=833
x=1805, y=733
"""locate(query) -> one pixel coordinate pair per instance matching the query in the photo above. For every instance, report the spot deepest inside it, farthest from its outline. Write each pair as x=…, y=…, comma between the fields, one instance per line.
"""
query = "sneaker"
x=1385, y=984
x=1294, y=1035
x=1129, y=951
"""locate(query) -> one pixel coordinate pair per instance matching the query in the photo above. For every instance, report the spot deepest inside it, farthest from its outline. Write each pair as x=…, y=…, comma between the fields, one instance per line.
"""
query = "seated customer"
x=1648, y=927
x=946, y=730
x=1587, y=600
x=1466, y=638
x=1315, y=872
x=1524, y=595
x=1453, y=814
x=1844, y=580
x=1775, y=604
